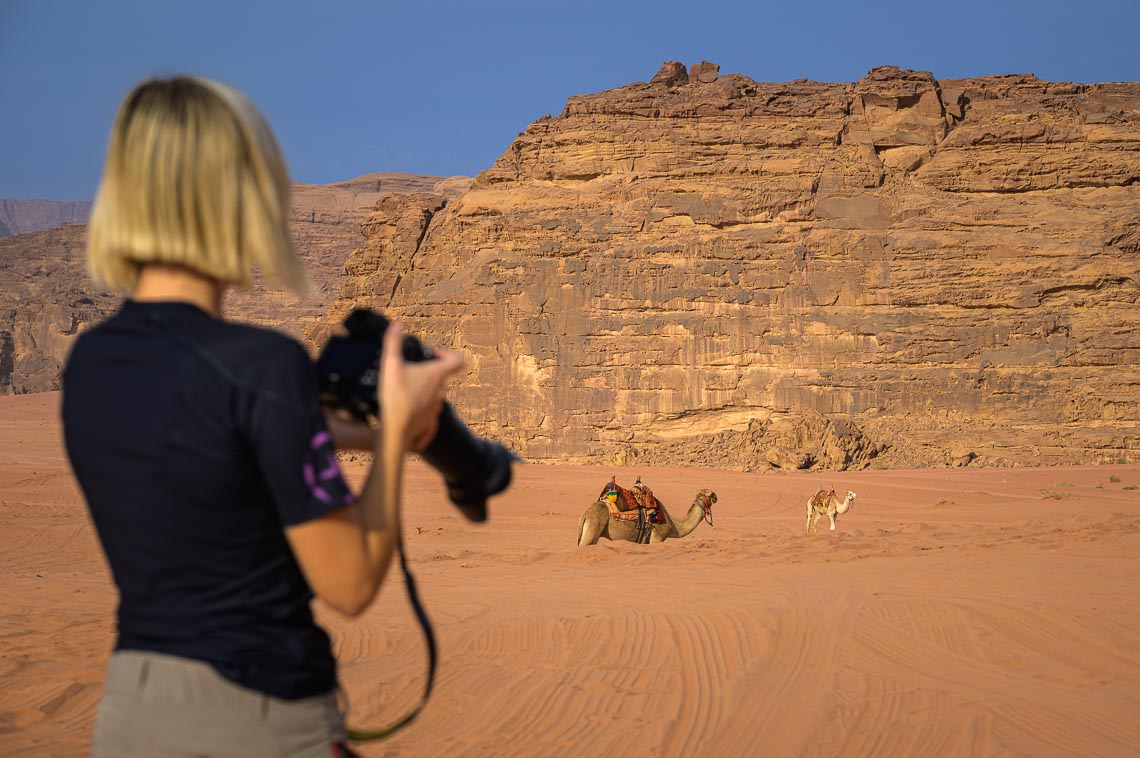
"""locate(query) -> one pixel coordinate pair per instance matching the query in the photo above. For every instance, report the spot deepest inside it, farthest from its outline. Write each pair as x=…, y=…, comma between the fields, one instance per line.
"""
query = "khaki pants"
x=162, y=705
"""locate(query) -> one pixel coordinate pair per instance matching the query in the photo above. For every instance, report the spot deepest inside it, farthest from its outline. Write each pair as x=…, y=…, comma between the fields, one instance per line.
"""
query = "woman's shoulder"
x=189, y=324
x=259, y=340
x=263, y=363
x=242, y=354
x=259, y=350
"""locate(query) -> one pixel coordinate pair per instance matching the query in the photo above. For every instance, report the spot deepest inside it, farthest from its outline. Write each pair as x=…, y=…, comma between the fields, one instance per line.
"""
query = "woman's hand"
x=411, y=395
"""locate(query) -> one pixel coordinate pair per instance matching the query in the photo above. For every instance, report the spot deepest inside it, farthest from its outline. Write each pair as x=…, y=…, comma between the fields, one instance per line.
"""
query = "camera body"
x=349, y=373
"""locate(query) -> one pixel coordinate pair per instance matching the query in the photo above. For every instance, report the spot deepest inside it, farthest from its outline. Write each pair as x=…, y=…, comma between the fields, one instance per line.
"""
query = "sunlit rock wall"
x=706, y=269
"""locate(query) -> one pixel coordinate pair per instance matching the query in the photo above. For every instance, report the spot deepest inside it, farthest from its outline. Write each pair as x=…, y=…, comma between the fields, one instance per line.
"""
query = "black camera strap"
x=365, y=735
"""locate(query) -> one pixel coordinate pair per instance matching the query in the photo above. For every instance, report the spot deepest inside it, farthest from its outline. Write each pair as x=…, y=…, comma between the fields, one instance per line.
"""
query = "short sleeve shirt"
x=196, y=441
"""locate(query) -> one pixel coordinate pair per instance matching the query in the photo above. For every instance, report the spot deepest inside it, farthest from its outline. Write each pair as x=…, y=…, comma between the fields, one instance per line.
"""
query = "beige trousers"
x=165, y=706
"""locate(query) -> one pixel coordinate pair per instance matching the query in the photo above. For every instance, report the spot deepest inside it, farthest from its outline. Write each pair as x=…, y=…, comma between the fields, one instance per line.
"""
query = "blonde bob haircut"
x=193, y=178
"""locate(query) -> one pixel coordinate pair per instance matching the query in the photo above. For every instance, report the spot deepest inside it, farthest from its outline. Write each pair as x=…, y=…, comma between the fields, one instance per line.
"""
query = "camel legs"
x=588, y=532
x=810, y=525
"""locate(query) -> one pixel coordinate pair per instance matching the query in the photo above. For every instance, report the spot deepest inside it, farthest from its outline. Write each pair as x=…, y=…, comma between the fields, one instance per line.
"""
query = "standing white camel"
x=826, y=501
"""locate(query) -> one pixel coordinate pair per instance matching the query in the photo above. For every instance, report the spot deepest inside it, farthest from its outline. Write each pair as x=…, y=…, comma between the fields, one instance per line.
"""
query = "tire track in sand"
x=794, y=677
x=1034, y=708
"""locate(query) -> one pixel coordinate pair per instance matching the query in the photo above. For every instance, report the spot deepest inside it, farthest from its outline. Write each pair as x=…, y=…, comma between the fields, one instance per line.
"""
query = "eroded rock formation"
x=44, y=302
x=46, y=298
x=708, y=269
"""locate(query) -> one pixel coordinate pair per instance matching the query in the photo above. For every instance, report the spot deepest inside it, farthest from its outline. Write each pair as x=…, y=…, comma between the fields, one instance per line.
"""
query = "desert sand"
x=953, y=612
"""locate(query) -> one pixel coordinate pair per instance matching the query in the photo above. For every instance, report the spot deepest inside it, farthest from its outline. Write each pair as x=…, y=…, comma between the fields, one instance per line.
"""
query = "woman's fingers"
x=393, y=346
x=412, y=393
x=448, y=362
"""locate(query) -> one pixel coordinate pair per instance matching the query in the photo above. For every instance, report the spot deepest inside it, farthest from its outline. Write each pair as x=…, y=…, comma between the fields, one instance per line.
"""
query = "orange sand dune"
x=965, y=612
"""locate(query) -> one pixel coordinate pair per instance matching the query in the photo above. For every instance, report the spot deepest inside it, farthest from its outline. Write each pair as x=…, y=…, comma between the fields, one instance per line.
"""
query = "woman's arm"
x=345, y=555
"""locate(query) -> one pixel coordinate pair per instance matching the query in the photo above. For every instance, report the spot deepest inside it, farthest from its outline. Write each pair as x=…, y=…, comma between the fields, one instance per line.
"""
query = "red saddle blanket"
x=638, y=496
x=819, y=500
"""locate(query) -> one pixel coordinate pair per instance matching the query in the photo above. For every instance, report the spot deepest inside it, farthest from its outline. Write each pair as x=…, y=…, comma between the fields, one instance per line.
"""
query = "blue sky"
x=443, y=87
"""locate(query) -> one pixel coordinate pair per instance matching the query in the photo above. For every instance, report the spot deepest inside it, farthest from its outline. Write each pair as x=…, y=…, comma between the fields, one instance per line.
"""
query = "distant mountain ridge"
x=18, y=216
x=21, y=216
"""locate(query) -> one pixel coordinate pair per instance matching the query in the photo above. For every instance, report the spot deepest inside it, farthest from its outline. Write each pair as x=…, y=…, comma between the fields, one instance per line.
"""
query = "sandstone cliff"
x=326, y=223
x=46, y=298
x=708, y=269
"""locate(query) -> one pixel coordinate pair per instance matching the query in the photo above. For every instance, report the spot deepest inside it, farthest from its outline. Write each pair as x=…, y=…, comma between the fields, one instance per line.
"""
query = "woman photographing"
x=205, y=458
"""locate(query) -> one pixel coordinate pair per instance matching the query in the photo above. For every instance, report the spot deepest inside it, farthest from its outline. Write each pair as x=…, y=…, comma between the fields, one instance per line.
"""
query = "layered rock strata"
x=708, y=269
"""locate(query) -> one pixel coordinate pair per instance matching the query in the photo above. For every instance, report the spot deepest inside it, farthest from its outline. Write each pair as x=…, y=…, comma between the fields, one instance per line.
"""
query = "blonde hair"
x=194, y=178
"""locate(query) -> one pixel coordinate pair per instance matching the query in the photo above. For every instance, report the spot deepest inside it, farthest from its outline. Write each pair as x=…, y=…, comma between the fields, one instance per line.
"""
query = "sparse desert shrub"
x=1131, y=487
x=1120, y=461
x=1066, y=484
x=1053, y=496
x=1114, y=478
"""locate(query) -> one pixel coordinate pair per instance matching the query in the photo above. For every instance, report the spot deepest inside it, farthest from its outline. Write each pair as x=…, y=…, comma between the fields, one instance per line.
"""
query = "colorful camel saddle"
x=821, y=498
x=634, y=504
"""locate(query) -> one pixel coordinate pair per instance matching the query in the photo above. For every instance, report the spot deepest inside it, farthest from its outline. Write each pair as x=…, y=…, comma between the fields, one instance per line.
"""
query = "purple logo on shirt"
x=329, y=476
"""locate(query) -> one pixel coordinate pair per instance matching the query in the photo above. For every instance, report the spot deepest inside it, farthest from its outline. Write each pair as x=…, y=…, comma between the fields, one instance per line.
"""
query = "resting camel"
x=598, y=522
x=827, y=502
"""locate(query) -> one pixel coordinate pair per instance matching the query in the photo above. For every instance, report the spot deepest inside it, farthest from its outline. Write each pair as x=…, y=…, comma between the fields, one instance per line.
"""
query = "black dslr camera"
x=349, y=371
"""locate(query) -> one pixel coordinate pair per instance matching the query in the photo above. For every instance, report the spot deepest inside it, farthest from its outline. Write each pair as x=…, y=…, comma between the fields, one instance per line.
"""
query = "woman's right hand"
x=411, y=394
x=344, y=570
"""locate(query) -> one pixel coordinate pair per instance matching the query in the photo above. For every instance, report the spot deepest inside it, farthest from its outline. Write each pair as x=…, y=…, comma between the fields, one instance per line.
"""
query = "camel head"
x=847, y=502
x=706, y=498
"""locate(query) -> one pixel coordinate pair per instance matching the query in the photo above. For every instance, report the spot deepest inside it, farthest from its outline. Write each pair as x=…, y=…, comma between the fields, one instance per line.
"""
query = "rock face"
x=707, y=269
x=326, y=223
x=46, y=298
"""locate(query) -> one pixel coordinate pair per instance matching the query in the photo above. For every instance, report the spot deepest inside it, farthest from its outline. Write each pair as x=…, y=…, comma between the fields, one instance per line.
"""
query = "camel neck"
x=691, y=519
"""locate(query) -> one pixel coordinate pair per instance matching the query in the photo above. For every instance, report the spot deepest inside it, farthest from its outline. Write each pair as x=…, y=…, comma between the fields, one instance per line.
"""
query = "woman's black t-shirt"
x=196, y=441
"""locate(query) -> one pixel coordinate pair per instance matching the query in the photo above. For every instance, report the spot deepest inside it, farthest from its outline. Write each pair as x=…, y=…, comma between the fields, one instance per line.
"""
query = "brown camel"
x=598, y=522
x=827, y=503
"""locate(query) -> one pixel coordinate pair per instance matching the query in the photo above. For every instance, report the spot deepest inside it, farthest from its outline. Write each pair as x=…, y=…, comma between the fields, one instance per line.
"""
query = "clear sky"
x=442, y=87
